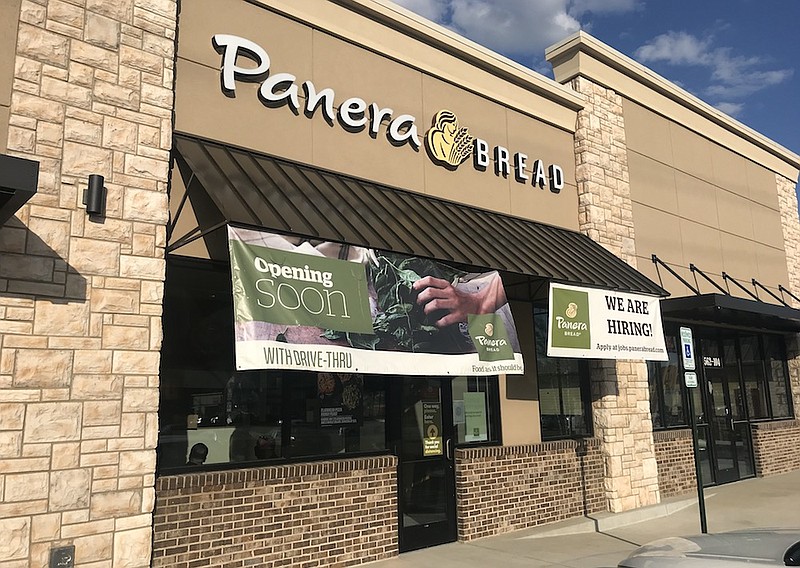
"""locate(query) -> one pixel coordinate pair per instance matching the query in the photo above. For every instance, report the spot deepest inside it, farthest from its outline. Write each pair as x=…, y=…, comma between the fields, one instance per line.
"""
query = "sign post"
x=690, y=379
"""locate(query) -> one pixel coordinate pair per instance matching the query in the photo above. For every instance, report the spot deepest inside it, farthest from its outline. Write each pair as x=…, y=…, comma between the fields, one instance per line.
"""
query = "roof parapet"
x=579, y=54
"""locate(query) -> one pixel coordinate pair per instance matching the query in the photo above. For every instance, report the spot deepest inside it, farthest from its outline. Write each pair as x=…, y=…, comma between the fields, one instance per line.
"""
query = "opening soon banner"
x=603, y=324
x=336, y=308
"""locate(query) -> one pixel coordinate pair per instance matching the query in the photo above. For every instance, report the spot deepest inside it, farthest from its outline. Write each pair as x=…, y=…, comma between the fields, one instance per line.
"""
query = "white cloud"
x=578, y=8
x=511, y=27
x=731, y=109
x=731, y=76
x=676, y=48
x=737, y=77
x=434, y=10
x=518, y=28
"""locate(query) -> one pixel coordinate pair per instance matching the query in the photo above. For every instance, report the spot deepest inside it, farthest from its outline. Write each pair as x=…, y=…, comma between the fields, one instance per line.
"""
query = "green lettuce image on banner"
x=490, y=336
x=283, y=287
x=570, y=319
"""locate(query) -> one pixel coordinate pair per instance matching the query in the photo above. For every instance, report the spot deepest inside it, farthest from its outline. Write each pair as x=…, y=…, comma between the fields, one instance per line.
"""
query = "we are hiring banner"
x=603, y=324
x=329, y=307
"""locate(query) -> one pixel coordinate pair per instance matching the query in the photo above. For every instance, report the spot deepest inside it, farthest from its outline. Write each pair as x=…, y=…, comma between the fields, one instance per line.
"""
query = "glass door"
x=423, y=440
x=724, y=406
x=703, y=437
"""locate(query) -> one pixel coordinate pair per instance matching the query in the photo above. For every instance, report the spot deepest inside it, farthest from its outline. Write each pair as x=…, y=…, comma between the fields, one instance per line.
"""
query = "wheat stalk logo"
x=572, y=310
x=447, y=143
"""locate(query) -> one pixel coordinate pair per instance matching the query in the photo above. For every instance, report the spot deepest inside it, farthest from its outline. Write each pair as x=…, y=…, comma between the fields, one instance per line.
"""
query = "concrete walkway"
x=605, y=539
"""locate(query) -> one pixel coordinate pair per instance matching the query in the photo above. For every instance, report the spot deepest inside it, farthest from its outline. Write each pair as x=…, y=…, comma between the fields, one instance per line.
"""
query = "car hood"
x=752, y=547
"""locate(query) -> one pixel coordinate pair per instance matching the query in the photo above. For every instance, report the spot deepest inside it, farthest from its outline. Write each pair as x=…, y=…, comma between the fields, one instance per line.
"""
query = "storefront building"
x=137, y=427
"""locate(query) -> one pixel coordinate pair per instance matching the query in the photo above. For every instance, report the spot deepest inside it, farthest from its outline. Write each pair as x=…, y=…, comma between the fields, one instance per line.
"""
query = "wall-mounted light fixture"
x=94, y=196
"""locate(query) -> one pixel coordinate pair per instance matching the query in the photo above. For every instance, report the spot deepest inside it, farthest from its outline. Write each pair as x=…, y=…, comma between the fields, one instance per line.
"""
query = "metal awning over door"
x=716, y=309
x=18, y=180
x=258, y=190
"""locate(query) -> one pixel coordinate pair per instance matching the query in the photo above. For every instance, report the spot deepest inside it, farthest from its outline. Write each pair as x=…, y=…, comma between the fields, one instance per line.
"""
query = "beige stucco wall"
x=704, y=187
x=9, y=18
x=351, y=70
x=696, y=202
x=583, y=55
x=519, y=394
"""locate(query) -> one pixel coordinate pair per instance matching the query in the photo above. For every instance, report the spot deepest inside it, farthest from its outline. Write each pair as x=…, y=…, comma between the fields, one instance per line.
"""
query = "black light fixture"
x=94, y=196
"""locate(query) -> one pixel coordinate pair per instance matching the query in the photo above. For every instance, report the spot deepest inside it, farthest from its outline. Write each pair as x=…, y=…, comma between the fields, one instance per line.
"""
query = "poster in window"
x=475, y=417
x=432, y=426
x=341, y=399
x=458, y=412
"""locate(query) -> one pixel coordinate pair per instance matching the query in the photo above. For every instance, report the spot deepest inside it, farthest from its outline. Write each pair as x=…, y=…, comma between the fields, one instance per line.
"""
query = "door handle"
x=448, y=448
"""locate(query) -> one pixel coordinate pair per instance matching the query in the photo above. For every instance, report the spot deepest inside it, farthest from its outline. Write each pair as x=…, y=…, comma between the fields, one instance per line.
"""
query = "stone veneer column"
x=620, y=391
x=81, y=299
x=787, y=201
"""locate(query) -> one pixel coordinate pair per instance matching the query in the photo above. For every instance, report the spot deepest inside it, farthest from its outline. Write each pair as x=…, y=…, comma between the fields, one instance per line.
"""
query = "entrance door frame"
x=439, y=532
x=734, y=429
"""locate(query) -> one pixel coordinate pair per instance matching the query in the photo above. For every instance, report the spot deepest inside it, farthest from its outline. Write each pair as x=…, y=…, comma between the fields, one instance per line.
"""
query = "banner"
x=336, y=308
x=604, y=324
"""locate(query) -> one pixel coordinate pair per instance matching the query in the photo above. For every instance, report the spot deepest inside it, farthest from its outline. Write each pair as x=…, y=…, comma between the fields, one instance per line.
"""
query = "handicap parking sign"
x=688, y=351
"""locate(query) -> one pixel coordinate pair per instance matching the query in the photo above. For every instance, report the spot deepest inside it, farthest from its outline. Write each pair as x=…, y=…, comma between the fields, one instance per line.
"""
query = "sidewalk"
x=605, y=539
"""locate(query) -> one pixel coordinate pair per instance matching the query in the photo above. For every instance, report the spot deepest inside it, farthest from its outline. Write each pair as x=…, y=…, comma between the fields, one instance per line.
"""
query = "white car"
x=740, y=549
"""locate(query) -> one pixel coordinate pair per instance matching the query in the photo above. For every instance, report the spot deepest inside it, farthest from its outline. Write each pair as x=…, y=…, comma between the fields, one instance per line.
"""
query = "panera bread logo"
x=448, y=144
x=490, y=337
x=570, y=323
x=572, y=310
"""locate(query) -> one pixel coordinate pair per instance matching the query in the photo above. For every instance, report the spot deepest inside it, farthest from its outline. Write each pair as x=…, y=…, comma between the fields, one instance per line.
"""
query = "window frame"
x=493, y=420
x=175, y=394
x=780, y=341
x=541, y=309
x=661, y=402
x=718, y=334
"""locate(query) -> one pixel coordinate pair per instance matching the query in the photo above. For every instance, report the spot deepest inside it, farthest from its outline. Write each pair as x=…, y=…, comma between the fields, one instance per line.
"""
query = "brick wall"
x=792, y=343
x=675, y=458
x=80, y=298
x=776, y=446
x=502, y=489
x=333, y=513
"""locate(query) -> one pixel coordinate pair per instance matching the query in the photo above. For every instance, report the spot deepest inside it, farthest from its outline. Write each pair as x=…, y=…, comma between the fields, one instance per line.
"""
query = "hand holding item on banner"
x=329, y=307
x=437, y=295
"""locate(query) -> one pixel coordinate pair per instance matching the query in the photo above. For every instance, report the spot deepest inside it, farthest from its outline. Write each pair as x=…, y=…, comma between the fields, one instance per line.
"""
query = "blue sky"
x=740, y=56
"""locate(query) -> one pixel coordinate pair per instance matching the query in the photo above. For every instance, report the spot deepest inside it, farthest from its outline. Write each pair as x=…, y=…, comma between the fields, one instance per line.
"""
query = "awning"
x=259, y=190
x=730, y=310
x=18, y=180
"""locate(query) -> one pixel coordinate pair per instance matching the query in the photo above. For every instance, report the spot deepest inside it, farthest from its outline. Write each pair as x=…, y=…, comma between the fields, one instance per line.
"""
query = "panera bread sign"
x=447, y=143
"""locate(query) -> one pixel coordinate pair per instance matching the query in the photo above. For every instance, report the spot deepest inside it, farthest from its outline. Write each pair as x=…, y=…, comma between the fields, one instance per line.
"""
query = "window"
x=476, y=414
x=777, y=377
x=755, y=383
x=269, y=415
x=329, y=413
x=211, y=414
x=564, y=398
x=750, y=368
x=667, y=393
